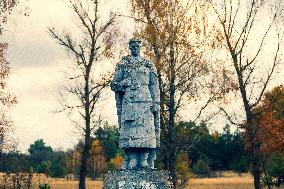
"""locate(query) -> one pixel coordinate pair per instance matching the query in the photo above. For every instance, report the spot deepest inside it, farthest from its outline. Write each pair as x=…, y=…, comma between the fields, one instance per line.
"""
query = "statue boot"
x=133, y=161
x=143, y=160
x=126, y=160
x=151, y=158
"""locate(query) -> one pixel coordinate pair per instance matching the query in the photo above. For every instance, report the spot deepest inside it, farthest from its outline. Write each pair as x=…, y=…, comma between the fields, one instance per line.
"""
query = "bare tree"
x=239, y=21
x=97, y=42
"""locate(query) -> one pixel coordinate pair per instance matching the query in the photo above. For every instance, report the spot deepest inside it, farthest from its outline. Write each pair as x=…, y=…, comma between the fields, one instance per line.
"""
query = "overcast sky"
x=37, y=72
x=38, y=64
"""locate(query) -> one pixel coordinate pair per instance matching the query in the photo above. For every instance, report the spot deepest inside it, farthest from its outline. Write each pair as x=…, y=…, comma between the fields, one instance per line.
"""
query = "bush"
x=274, y=170
x=182, y=168
x=116, y=162
x=267, y=180
x=44, y=186
x=240, y=165
x=276, y=166
x=201, y=168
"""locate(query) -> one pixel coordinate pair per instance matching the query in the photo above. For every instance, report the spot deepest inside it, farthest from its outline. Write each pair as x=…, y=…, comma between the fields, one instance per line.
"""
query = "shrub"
x=116, y=162
x=201, y=168
x=274, y=170
x=44, y=186
x=182, y=168
x=240, y=165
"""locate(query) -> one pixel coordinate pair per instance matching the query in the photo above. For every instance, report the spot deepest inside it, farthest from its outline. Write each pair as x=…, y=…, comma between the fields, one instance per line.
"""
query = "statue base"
x=137, y=179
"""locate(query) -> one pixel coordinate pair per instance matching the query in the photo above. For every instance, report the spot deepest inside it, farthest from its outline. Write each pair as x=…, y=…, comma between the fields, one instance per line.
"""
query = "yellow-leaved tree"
x=177, y=36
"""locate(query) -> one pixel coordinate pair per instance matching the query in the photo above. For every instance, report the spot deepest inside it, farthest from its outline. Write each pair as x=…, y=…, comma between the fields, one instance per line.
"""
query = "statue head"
x=134, y=46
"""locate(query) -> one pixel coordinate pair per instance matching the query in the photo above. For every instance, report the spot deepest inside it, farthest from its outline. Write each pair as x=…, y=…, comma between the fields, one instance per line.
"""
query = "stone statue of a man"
x=137, y=100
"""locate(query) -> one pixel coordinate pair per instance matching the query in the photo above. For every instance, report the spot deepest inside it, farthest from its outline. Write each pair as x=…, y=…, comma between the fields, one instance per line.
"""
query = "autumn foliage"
x=271, y=121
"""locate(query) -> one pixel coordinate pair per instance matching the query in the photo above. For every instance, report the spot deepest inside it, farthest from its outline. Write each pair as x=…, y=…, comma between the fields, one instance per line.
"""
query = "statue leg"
x=143, y=156
x=151, y=158
x=126, y=159
x=133, y=160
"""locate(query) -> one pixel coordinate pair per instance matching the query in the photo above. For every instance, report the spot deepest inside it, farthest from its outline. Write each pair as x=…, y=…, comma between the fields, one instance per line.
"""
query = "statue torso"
x=137, y=71
x=134, y=101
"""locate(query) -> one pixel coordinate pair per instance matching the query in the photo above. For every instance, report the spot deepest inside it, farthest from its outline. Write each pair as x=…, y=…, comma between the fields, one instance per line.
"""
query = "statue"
x=137, y=97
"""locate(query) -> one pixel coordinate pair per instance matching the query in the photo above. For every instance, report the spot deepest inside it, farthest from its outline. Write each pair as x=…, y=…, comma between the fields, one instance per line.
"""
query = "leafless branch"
x=269, y=75
x=229, y=117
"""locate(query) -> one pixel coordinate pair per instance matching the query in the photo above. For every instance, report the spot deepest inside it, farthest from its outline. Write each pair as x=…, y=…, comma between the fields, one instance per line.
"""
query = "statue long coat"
x=136, y=90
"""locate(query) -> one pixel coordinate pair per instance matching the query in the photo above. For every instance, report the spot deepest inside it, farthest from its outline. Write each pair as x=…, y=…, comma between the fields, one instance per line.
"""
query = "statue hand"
x=155, y=108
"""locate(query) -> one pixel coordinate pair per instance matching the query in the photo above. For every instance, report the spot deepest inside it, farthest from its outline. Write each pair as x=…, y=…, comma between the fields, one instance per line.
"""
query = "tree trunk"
x=256, y=165
x=164, y=145
x=171, y=123
x=84, y=161
x=256, y=173
x=87, y=142
x=256, y=177
x=171, y=142
x=255, y=153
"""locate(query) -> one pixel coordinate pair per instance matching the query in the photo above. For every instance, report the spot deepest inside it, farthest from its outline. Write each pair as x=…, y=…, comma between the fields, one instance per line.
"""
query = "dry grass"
x=234, y=181
x=63, y=184
x=221, y=183
x=55, y=183
x=228, y=180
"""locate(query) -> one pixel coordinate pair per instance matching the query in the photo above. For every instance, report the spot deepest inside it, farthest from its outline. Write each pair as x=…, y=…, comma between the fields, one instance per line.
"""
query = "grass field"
x=196, y=183
x=221, y=183
x=63, y=184
x=228, y=180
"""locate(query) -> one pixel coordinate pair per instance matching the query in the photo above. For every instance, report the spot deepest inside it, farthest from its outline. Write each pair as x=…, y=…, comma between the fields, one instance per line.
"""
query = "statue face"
x=134, y=48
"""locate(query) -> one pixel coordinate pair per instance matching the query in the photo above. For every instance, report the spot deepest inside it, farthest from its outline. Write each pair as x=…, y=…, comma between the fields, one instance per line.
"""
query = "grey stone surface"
x=137, y=179
x=137, y=96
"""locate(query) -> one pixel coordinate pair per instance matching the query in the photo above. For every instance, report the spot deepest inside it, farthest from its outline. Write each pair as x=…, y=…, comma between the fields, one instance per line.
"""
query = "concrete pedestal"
x=137, y=179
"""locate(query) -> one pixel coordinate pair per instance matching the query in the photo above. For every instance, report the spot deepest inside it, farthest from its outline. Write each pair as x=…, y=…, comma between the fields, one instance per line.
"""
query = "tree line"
x=217, y=151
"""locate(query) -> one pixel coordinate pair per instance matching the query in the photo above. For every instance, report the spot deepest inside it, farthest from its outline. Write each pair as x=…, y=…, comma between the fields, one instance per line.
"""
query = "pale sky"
x=37, y=72
x=38, y=64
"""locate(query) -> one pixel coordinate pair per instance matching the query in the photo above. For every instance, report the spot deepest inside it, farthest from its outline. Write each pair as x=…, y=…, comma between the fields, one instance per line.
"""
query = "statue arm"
x=118, y=99
x=155, y=95
x=154, y=89
x=117, y=82
x=118, y=87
